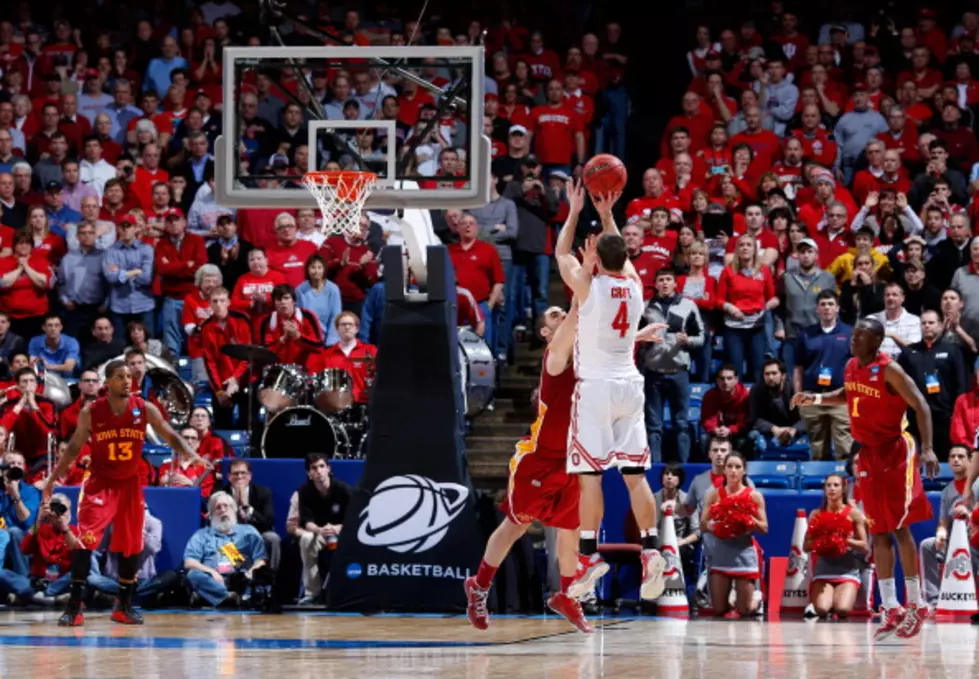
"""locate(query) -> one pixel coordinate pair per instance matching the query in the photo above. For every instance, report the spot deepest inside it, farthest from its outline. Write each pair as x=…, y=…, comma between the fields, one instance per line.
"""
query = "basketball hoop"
x=341, y=197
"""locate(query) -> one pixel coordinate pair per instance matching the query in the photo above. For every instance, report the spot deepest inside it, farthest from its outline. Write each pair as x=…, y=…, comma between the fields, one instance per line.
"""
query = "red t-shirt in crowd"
x=290, y=260
x=554, y=129
x=478, y=268
x=24, y=299
x=747, y=291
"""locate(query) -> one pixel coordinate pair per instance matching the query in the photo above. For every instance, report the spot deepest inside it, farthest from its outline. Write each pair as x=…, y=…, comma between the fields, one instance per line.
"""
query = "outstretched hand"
x=604, y=202
x=803, y=399
x=650, y=333
x=576, y=197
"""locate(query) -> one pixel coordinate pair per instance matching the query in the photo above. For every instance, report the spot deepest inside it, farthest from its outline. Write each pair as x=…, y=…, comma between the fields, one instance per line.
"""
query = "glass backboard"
x=412, y=115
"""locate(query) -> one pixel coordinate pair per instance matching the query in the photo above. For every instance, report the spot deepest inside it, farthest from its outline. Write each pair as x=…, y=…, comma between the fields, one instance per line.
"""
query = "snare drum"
x=300, y=431
x=283, y=386
x=332, y=390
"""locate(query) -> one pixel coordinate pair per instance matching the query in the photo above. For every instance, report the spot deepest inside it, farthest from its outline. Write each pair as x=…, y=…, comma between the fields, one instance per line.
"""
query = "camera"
x=11, y=473
x=58, y=508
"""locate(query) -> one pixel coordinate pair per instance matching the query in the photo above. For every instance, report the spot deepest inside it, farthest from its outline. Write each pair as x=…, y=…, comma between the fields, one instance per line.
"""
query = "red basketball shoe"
x=653, y=582
x=72, y=617
x=891, y=620
x=125, y=615
x=476, y=596
x=590, y=570
x=914, y=620
x=570, y=610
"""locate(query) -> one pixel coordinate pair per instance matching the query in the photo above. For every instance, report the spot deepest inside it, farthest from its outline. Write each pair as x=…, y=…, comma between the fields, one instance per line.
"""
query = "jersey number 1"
x=853, y=409
x=122, y=452
x=621, y=320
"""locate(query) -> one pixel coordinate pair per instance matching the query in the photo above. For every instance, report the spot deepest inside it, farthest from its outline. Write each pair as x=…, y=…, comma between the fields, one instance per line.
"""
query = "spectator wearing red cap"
x=178, y=257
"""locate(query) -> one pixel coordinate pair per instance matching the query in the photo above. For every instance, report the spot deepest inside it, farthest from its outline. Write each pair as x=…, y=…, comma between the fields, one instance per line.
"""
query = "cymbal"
x=253, y=353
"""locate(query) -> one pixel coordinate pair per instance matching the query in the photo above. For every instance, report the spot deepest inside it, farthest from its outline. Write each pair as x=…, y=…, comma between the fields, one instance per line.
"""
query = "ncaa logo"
x=354, y=571
x=960, y=565
x=672, y=561
x=411, y=513
x=797, y=562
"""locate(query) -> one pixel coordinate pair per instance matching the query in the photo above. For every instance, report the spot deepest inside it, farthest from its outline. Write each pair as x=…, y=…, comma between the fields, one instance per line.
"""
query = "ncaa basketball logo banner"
x=416, y=542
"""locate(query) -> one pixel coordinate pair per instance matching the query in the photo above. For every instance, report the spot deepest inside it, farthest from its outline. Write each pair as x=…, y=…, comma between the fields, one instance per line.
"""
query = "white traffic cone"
x=673, y=601
x=957, y=599
x=795, y=595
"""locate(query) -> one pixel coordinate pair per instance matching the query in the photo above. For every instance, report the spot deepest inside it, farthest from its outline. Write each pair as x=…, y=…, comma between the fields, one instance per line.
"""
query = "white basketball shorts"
x=608, y=425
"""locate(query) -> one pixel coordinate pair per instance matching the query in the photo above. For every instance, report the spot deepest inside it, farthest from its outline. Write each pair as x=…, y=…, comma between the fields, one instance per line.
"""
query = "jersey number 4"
x=621, y=320
x=121, y=452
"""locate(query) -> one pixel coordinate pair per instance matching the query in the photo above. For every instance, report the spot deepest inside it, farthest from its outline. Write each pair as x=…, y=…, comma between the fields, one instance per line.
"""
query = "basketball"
x=605, y=174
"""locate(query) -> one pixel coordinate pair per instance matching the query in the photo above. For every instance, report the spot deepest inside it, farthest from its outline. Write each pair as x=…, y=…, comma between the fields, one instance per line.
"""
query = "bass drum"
x=297, y=432
x=478, y=372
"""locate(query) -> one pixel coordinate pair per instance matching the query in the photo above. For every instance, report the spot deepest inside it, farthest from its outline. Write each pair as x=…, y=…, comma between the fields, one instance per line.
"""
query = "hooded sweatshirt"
x=730, y=410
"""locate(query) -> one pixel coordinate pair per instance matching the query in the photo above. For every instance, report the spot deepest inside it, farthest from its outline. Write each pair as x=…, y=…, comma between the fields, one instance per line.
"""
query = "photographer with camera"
x=49, y=543
x=225, y=561
x=18, y=506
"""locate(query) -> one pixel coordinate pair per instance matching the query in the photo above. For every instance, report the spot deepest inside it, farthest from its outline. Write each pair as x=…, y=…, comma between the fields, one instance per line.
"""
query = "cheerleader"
x=836, y=579
x=734, y=559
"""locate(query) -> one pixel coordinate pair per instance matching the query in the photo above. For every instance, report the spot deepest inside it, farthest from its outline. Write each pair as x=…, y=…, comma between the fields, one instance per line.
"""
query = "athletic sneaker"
x=72, y=617
x=914, y=620
x=476, y=596
x=590, y=570
x=570, y=610
x=125, y=615
x=891, y=620
x=653, y=582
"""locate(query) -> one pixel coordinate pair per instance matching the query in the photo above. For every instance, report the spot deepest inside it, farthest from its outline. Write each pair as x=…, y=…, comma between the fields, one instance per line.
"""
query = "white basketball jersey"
x=607, y=325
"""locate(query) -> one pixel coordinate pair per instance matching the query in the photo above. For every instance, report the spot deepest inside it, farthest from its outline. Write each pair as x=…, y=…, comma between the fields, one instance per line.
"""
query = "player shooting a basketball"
x=114, y=426
x=608, y=427
x=877, y=393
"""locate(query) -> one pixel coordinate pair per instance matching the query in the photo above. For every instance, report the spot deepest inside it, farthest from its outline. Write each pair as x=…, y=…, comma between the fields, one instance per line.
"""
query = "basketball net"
x=341, y=197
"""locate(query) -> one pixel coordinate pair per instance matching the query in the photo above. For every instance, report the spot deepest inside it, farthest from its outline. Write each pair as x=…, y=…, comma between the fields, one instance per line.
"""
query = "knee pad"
x=632, y=471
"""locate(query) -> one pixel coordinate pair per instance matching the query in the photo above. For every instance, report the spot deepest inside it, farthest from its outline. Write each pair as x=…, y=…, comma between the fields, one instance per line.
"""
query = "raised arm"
x=574, y=275
x=899, y=381
x=155, y=418
x=561, y=345
x=604, y=204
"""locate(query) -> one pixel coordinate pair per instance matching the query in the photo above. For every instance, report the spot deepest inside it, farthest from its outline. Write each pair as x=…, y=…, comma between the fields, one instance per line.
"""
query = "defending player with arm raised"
x=539, y=487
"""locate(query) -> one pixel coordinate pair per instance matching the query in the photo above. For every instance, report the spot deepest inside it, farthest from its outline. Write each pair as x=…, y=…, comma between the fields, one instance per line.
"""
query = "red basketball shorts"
x=890, y=486
x=112, y=501
x=540, y=489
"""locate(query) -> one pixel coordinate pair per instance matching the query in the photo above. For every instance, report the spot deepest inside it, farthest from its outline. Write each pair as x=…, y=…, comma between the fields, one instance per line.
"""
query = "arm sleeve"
x=195, y=546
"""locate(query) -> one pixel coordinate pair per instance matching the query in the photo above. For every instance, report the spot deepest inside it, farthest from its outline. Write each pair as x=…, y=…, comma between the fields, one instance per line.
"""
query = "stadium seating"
x=774, y=474
x=812, y=474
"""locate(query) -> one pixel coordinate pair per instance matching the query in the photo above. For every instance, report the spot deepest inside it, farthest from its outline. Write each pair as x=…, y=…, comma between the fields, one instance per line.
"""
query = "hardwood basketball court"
x=296, y=646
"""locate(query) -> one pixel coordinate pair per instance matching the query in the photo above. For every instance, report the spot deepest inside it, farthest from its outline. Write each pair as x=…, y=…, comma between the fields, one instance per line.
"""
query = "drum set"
x=305, y=413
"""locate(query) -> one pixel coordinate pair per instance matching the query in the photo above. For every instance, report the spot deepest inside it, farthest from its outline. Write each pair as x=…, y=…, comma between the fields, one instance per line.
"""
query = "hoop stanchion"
x=341, y=196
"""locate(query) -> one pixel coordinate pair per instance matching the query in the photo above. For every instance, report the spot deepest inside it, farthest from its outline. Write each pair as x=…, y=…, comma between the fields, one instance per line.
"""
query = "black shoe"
x=72, y=617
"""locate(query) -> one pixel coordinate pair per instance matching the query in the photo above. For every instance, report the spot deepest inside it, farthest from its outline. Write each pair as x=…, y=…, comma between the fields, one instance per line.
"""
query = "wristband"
x=817, y=400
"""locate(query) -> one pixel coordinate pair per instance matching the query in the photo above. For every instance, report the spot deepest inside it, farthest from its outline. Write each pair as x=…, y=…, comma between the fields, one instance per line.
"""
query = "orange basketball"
x=604, y=174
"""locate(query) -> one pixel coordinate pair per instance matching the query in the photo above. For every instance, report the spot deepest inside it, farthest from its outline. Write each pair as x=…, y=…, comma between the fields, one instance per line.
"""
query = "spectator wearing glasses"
x=184, y=471
x=255, y=507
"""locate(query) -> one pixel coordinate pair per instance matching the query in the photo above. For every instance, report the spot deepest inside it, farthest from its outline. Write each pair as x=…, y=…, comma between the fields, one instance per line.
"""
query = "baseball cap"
x=174, y=213
x=559, y=174
x=53, y=185
x=518, y=129
x=201, y=92
x=808, y=242
x=127, y=219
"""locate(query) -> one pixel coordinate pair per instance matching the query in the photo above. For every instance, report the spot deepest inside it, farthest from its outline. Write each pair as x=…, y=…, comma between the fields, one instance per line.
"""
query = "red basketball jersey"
x=117, y=440
x=549, y=432
x=877, y=415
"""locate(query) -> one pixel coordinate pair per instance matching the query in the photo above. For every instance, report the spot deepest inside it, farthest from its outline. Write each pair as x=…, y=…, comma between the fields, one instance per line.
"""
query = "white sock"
x=888, y=593
x=913, y=590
